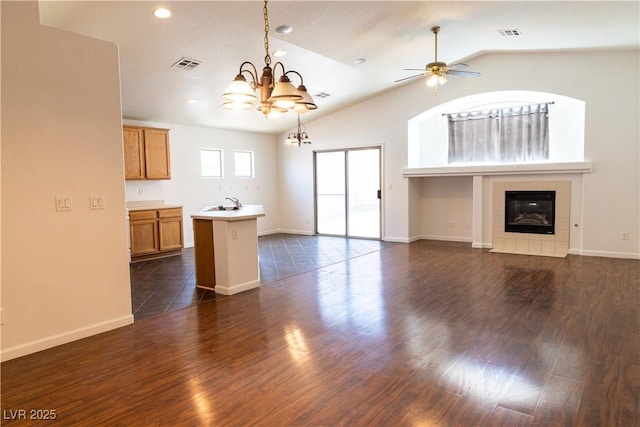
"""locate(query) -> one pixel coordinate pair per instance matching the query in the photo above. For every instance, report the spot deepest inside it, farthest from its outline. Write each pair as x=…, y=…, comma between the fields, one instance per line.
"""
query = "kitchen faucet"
x=235, y=202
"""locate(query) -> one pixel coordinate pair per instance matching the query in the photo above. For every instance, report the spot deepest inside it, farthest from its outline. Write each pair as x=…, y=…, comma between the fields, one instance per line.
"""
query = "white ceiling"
x=328, y=37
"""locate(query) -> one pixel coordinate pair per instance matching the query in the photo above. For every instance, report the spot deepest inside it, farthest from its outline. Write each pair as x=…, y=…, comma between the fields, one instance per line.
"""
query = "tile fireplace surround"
x=555, y=245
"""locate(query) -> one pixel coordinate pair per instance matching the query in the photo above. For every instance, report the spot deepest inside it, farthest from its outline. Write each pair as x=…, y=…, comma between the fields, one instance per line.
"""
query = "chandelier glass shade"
x=436, y=78
x=299, y=137
x=274, y=97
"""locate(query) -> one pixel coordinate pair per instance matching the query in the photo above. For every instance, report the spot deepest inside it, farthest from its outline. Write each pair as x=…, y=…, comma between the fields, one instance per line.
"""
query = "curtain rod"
x=548, y=103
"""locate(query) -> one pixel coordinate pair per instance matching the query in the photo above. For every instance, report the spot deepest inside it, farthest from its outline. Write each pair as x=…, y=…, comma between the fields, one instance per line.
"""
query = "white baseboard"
x=604, y=254
x=235, y=289
x=398, y=239
x=285, y=231
x=480, y=245
x=446, y=238
x=64, y=338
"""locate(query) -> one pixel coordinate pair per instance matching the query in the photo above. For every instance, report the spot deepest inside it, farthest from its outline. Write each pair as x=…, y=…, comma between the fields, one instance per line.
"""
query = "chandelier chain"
x=267, y=57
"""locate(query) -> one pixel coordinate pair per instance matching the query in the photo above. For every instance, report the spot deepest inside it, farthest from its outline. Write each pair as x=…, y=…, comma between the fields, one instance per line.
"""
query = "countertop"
x=144, y=205
x=246, y=212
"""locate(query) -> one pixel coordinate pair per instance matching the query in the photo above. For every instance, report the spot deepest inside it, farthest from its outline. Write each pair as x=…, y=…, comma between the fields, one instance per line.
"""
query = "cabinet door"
x=170, y=229
x=144, y=236
x=156, y=150
x=134, y=167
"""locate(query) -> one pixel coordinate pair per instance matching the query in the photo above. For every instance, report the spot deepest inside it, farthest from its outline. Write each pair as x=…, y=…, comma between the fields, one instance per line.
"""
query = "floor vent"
x=187, y=64
x=510, y=32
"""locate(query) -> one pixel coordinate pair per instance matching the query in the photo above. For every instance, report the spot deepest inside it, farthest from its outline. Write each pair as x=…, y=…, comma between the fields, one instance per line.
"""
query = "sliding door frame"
x=346, y=199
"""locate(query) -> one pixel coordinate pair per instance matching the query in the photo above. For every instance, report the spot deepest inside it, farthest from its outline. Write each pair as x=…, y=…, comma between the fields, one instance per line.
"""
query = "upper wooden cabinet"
x=146, y=153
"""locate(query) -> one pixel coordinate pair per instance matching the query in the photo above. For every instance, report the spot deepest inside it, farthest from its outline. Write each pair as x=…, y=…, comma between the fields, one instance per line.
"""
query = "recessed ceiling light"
x=162, y=13
x=360, y=61
x=191, y=100
x=279, y=53
x=284, y=29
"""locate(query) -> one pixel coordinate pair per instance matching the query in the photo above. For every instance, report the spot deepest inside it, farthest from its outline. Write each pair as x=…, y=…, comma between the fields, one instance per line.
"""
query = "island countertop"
x=246, y=212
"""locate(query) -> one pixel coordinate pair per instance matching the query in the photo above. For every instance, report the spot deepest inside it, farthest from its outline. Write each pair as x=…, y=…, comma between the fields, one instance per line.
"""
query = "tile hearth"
x=554, y=245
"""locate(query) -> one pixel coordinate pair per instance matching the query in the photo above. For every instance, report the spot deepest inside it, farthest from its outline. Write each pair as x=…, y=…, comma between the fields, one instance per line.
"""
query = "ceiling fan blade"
x=410, y=77
x=463, y=73
x=414, y=69
x=458, y=65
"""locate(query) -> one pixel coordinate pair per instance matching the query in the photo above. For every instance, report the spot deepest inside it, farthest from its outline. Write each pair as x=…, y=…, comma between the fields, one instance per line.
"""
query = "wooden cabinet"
x=169, y=229
x=155, y=233
x=203, y=254
x=146, y=153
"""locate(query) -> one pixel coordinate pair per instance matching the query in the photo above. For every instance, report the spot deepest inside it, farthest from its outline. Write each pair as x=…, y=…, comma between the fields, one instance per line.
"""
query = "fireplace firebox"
x=530, y=212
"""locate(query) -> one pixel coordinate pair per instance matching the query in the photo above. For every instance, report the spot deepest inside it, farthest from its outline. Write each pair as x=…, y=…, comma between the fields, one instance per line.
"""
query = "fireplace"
x=530, y=212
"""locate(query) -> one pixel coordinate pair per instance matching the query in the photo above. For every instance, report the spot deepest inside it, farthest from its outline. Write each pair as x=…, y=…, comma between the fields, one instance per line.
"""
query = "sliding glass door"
x=347, y=192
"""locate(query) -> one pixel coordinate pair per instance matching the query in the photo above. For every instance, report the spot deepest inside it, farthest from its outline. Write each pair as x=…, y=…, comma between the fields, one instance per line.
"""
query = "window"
x=505, y=135
x=244, y=163
x=211, y=163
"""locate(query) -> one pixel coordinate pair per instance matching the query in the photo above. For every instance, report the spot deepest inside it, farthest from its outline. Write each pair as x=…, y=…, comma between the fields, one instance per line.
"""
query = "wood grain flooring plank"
x=421, y=334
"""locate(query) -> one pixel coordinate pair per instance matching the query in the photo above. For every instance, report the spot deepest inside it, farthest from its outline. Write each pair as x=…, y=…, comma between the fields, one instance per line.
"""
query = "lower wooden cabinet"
x=155, y=233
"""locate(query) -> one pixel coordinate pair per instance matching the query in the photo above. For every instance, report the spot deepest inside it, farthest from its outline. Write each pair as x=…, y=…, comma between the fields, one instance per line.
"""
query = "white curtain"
x=506, y=135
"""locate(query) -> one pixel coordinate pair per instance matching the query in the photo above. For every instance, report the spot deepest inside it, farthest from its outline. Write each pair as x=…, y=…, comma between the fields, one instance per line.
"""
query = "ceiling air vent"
x=513, y=32
x=187, y=64
x=321, y=95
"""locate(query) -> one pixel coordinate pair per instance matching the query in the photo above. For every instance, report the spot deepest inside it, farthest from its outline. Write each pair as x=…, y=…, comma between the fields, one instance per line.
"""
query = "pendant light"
x=274, y=97
x=298, y=138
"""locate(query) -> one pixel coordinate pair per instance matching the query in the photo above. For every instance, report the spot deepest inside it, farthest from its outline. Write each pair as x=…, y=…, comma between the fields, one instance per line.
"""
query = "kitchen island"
x=226, y=248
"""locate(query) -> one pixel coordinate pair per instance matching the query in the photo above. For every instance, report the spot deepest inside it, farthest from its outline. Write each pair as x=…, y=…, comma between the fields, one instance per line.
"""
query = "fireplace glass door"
x=530, y=212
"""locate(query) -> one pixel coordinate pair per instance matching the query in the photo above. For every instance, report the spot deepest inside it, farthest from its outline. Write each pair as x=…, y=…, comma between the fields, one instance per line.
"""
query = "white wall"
x=446, y=208
x=611, y=192
x=65, y=275
x=186, y=187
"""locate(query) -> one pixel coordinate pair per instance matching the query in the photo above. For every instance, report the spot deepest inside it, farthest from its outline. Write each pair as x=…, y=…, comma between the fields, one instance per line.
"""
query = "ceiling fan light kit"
x=437, y=70
x=274, y=97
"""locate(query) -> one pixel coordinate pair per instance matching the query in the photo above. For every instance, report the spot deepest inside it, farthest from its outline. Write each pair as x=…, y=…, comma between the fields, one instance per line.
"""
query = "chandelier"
x=298, y=138
x=275, y=98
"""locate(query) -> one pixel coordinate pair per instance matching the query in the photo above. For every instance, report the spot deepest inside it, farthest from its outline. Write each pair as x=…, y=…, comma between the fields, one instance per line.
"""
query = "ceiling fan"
x=437, y=70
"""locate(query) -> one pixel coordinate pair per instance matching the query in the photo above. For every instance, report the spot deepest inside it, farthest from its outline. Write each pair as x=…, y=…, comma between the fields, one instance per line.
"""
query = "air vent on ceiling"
x=321, y=95
x=512, y=32
x=187, y=64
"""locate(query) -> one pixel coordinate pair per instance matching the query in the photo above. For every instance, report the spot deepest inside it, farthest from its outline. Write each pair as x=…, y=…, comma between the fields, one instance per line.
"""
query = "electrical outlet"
x=234, y=233
x=624, y=235
x=452, y=224
x=140, y=191
x=1, y=316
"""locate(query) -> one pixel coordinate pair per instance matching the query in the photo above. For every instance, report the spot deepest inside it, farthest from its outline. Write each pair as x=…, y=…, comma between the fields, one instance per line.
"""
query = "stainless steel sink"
x=219, y=208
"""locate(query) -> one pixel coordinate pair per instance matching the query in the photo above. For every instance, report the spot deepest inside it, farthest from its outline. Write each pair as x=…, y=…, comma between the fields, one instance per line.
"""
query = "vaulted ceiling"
x=328, y=39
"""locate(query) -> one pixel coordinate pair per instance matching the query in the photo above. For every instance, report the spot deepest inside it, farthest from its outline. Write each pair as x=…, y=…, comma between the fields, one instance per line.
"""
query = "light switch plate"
x=63, y=203
x=96, y=202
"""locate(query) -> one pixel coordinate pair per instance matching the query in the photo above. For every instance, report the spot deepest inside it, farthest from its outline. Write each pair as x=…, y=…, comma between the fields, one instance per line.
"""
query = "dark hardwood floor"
x=168, y=284
x=420, y=334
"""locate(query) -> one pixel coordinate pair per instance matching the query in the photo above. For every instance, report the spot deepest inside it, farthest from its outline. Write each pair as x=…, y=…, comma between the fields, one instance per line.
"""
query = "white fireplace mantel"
x=482, y=200
x=499, y=169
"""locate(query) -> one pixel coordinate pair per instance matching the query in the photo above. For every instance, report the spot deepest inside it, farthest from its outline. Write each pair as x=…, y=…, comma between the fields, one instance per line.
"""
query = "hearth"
x=530, y=212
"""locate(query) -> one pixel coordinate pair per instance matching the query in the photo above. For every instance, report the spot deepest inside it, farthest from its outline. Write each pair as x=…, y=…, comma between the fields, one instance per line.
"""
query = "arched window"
x=516, y=127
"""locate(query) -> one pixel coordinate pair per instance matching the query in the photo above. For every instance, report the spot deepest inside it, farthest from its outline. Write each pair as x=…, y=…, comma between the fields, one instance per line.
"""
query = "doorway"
x=348, y=192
